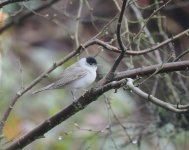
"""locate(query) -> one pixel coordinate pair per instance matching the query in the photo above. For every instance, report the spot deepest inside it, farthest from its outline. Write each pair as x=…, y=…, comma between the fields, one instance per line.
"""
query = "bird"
x=79, y=75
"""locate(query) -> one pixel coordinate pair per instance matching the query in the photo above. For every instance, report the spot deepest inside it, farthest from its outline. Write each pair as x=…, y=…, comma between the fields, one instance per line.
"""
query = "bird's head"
x=88, y=62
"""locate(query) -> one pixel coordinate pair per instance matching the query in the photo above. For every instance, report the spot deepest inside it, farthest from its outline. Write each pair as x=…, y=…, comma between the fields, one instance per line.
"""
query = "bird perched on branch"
x=77, y=76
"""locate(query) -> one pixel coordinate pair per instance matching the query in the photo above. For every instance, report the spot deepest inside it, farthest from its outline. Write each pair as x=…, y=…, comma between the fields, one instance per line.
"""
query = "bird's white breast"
x=84, y=82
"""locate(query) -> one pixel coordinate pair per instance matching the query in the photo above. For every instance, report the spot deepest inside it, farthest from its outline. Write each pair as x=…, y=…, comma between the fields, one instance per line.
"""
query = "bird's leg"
x=84, y=91
x=73, y=95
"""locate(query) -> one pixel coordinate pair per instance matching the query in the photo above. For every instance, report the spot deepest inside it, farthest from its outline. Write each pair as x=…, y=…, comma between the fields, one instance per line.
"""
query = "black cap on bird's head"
x=91, y=60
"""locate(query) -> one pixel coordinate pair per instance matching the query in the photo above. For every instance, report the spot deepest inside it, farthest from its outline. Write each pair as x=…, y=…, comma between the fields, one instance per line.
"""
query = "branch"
x=11, y=2
x=168, y=67
x=38, y=79
x=99, y=42
x=119, y=39
x=110, y=74
x=155, y=47
x=181, y=55
x=148, y=70
x=32, y=84
x=64, y=114
x=153, y=99
x=143, y=25
x=26, y=16
x=81, y=103
x=78, y=22
x=141, y=52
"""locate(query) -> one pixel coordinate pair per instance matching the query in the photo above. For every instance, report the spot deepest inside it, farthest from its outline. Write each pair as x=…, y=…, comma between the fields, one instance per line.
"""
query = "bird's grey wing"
x=69, y=75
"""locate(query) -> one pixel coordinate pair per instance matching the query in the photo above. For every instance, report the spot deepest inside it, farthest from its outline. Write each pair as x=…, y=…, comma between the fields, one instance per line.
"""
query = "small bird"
x=77, y=76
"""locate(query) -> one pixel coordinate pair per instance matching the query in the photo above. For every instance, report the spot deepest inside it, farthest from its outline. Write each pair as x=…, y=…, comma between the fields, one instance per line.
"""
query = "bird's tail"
x=48, y=87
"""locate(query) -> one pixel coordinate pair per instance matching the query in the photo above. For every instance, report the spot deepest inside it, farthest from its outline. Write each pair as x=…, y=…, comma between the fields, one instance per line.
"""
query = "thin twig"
x=153, y=99
x=32, y=84
x=119, y=39
x=137, y=72
x=181, y=55
x=63, y=115
x=110, y=74
x=145, y=51
x=2, y=4
x=77, y=23
x=80, y=104
x=147, y=32
x=26, y=16
x=155, y=47
x=147, y=20
x=117, y=119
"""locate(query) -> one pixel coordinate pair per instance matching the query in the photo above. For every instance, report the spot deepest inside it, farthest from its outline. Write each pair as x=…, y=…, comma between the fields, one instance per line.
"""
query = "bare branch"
x=144, y=27
x=148, y=70
x=81, y=103
x=32, y=84
x=161, y=44
x=110, y=74
x=141, y=52
x=147, y=20
x=63, y=115
x=26, y=16
x=11, y=2
x=176, y=66
x=153, y=99
x=77, y=23
x=111, y=81
x=38, y=79
x=119, y=39
x=181, y=55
